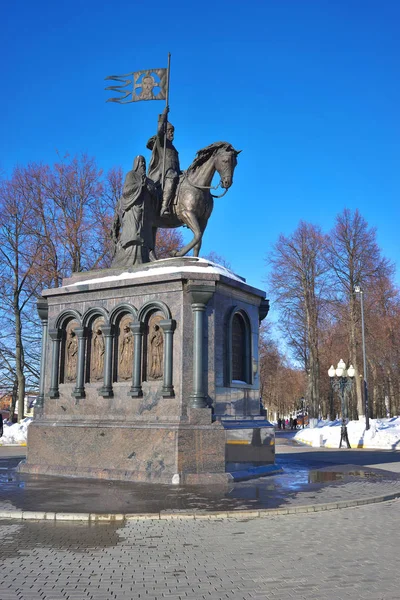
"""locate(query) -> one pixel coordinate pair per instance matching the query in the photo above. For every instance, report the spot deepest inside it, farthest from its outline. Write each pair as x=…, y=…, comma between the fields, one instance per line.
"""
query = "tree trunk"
x=19, y=359
x=13, y=400
x=353, y=358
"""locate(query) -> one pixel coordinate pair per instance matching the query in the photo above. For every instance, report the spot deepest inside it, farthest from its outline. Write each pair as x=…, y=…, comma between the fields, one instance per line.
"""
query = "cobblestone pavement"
x=351, y=554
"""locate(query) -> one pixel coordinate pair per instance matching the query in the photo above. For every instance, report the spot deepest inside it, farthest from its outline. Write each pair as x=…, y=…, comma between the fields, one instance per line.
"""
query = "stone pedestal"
x=144, y=371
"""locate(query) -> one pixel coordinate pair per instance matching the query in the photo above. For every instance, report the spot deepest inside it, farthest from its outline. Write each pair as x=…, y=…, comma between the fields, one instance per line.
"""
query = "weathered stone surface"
x=146, y=436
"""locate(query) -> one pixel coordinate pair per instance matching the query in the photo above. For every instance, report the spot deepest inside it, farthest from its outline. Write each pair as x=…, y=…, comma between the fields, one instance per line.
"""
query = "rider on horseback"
x=172, y=168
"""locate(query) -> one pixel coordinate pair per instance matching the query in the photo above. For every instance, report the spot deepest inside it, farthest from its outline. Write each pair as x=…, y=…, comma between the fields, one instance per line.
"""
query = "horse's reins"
x=205, y=187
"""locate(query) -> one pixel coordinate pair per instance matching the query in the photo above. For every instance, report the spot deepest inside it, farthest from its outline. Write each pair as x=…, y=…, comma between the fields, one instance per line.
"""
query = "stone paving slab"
x=349, y=554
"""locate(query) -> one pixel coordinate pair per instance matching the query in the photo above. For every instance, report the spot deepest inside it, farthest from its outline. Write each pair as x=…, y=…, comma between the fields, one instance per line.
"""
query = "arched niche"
x=69, y=352
x=95, y=350
x=238, y=354
x=123, y=348
x=154, y=348
x=121, y=319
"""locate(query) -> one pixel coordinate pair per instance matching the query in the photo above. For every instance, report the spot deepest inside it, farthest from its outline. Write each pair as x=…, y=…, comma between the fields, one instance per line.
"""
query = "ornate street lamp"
x=343, y=383
x=358, y=290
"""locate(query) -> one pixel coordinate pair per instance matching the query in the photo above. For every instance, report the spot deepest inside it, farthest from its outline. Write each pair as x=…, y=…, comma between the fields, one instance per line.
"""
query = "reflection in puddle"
x=324, y=476
x=364, y=474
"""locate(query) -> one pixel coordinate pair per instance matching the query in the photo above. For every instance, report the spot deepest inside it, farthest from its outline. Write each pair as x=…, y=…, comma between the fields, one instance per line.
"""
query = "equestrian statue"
x=168, y=197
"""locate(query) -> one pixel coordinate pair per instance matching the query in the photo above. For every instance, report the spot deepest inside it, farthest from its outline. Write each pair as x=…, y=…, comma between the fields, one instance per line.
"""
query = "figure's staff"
x=166, y=121
x=146, y=81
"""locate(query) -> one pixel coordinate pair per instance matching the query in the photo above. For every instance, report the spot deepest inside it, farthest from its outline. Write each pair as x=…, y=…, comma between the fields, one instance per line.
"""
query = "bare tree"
x=19, y=251
x=168, y=241
x=354, y=258
x=298, y=285
x=281, y=385
x=218, y=259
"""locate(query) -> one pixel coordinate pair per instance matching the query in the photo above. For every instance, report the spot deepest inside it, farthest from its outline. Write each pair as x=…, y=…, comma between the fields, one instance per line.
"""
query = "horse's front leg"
x=197, y=247
x=191, y=221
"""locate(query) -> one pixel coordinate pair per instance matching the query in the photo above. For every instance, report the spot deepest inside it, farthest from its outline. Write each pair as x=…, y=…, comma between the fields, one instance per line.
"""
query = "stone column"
x=43, y=312
x=55, y=336
x=79, y=391
x=107, y=391
x=168, y=326
x=136, y=388
x=199, y=296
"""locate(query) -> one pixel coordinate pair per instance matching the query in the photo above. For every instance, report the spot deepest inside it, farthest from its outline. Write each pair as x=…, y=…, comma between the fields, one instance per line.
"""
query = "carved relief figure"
x=71, y=353
x=156, y=343
x=125, y=351
x=97, y=353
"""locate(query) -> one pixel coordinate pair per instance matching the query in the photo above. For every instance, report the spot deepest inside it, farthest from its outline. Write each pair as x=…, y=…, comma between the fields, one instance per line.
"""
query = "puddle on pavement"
x=324, y=476
x=58, y=535
x=29, y=492
x=328, y=476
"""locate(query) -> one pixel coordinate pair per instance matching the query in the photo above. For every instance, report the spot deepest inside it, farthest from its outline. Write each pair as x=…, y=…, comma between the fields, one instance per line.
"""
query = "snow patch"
x=208, y=267
x=382, y=434
x=16, y=433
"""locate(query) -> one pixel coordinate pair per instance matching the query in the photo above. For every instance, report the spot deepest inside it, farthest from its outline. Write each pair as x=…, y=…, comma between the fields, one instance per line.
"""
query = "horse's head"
x=225, y=163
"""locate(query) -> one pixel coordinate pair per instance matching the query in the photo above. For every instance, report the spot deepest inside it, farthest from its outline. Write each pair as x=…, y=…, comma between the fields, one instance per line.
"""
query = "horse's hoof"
x=152, y=256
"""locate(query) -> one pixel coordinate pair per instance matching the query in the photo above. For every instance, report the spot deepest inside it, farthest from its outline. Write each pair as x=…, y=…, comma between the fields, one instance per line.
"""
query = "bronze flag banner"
x=140, y=85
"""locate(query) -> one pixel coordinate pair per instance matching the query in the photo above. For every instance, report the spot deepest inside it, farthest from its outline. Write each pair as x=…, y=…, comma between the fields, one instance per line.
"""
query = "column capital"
x=167, y=325
x=200, y=294
x=106, y=330
x=263, y=309
x=80, y=332
x=55, y=334
x=42, y=309
x=137, y=327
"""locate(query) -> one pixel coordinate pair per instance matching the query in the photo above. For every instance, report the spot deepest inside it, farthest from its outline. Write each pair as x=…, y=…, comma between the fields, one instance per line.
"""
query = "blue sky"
x=309, y=90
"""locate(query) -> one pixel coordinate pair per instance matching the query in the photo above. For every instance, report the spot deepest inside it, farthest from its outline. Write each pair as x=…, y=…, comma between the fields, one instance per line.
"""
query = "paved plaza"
x=343, y=554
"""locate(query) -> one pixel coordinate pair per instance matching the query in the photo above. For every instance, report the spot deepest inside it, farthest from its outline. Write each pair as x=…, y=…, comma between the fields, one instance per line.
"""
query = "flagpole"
x=165, y=125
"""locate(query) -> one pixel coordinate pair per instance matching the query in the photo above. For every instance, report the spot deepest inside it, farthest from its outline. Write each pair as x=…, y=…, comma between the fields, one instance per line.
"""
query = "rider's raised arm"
x=162, y=125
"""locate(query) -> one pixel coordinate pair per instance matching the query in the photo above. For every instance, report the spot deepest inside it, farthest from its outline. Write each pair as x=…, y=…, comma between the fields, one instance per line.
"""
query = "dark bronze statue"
x=164, y=156
x=183, y=198
x=193, y=202
x=132, y=228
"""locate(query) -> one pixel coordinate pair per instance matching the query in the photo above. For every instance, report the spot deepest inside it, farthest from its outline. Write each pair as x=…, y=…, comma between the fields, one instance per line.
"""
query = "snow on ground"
x=15, y=434
x=383, y=433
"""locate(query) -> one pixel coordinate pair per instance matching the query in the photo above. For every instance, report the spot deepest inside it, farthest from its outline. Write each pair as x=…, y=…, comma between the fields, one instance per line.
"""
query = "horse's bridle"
x=205, y=187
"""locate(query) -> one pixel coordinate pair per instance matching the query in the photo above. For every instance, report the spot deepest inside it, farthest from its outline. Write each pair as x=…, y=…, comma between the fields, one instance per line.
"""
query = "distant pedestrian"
x=283, y=423
x=291, y=423
x=295, y=423
x=1, y=424
x=279, y=423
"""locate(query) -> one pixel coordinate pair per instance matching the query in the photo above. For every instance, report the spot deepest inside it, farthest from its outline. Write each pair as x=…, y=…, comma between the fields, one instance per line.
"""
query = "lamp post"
x=358, y=290
x=342, y=383
x=303, y=410
x=331, y=413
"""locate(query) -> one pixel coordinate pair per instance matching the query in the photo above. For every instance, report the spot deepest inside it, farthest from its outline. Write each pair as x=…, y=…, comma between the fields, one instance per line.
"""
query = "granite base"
x=143, y=452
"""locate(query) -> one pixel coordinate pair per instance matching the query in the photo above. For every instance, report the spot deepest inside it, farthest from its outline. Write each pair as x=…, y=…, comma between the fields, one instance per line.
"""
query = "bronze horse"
x=193, y=201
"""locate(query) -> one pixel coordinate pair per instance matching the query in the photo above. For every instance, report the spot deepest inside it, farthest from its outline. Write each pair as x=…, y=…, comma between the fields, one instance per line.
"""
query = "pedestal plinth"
x=142, y=368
